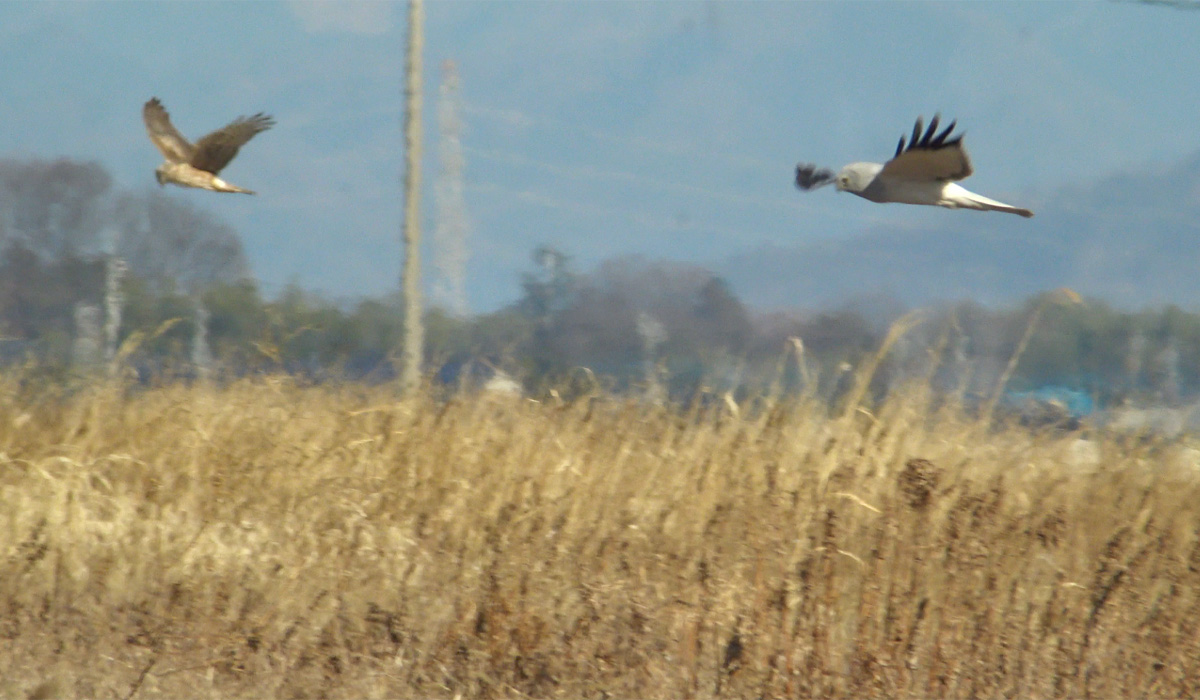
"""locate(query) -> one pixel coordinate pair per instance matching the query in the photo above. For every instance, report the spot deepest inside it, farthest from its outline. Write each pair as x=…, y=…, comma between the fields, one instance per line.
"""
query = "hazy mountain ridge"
x=1131, y=239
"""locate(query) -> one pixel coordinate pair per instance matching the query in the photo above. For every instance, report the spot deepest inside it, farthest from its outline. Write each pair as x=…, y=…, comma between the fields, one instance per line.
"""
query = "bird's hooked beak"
x=158, y=175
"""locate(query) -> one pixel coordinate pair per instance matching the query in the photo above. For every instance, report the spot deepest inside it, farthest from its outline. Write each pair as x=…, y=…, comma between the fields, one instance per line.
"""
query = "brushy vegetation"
x=266, y=539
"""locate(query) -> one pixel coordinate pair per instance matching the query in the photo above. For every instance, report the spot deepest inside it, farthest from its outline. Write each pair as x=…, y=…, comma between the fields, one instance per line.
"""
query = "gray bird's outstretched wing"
x=215, y=150
x=163, y=133
x=930, y=155
x=810, y=177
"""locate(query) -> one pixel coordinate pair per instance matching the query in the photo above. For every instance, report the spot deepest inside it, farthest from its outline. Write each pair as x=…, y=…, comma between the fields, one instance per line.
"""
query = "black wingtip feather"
x=940, y=139
x=928, y=139
x=933, y=125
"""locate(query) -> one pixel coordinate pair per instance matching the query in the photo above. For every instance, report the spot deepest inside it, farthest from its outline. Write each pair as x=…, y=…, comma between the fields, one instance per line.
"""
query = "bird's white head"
x=856, y=176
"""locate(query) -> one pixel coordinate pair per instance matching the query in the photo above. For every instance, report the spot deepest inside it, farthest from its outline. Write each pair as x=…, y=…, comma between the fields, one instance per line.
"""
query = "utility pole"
x=414, y=331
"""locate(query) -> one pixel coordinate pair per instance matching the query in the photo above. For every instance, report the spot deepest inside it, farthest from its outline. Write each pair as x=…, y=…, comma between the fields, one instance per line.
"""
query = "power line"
x=592, y=173
x=523, y=120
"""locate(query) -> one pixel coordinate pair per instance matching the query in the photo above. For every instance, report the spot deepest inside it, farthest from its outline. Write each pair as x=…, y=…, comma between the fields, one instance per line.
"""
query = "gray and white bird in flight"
x=925, y=171
x=197, y=165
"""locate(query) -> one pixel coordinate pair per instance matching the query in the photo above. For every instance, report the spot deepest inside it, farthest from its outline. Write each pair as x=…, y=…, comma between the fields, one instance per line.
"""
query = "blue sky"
x=662, y=129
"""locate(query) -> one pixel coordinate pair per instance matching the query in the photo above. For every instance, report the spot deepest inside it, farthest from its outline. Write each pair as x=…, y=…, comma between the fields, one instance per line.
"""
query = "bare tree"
x=54, y=208
x=67, y=209
x=171, y=243
x=114, y=304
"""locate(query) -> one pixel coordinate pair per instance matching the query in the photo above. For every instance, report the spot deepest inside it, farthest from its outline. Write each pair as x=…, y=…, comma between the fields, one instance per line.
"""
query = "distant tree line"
x=632, y=324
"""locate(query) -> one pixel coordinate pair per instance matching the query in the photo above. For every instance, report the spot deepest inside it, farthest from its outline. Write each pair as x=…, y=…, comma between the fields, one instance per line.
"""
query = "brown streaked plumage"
x=197, y=165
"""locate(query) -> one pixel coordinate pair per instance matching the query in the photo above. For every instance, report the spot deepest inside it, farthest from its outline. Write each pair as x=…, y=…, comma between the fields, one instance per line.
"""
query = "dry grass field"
x=267, y=540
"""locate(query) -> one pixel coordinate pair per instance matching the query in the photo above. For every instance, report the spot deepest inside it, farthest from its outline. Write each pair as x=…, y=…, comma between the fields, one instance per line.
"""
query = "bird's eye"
x=844, y=181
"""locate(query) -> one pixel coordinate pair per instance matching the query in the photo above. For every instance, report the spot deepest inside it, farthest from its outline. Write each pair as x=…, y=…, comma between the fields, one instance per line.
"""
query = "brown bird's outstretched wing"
x=930, y=155
x=163, y=133
x=215, y=150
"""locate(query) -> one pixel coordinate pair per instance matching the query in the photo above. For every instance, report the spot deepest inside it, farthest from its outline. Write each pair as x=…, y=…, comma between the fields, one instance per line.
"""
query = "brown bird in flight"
x=197, y=165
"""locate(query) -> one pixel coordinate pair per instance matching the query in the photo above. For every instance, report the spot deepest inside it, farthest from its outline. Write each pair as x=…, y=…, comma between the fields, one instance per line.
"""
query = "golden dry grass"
x=267, y=540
